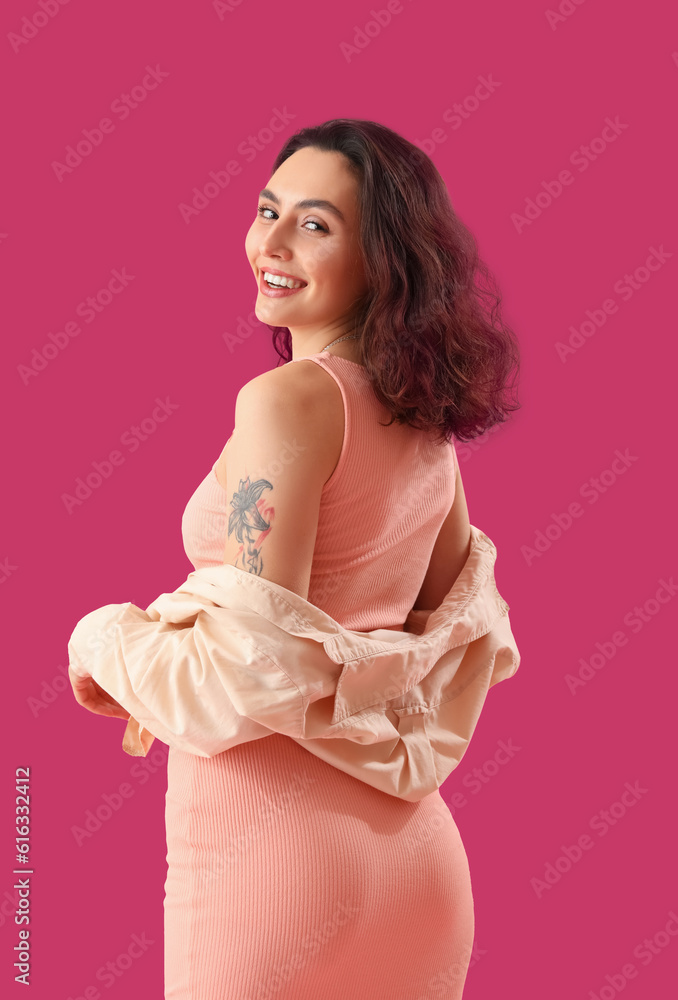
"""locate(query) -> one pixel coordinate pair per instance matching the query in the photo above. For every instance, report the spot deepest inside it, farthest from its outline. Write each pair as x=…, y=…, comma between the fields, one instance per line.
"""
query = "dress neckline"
x=326, y=354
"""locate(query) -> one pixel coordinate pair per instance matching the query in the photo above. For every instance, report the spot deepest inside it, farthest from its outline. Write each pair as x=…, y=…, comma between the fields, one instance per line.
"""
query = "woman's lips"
x=277, y=293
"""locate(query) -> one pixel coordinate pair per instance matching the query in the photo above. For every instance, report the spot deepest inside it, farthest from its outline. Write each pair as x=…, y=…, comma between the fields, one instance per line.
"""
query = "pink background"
x=179, y=330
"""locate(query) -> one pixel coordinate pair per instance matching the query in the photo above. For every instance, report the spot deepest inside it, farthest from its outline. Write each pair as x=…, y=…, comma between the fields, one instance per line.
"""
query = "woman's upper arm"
x=450, y=552
x=284, y=446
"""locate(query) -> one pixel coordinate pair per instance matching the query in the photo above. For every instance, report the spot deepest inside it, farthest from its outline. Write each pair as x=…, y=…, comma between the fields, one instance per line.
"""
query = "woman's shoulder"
x=301, y=385
x=298, y=402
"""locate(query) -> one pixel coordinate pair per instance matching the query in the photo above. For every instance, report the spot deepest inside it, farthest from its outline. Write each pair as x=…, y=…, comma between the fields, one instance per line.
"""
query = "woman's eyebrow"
x=306, y=203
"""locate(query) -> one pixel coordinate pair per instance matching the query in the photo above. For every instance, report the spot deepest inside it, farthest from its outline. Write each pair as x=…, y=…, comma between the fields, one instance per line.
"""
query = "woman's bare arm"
x=289, y=425
x=450, y=552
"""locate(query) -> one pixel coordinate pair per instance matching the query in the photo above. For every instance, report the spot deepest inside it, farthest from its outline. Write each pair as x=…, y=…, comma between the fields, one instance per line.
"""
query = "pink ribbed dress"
x=287, y=878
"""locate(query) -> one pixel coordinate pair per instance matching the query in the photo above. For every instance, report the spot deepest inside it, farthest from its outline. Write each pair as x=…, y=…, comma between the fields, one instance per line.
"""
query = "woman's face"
x=317, y=244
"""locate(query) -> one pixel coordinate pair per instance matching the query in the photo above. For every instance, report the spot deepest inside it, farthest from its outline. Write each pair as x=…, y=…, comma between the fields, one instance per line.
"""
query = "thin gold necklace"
x=349, y=336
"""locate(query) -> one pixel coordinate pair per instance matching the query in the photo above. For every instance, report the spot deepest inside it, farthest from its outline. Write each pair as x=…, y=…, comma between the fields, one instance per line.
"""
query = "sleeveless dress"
x=288, y=878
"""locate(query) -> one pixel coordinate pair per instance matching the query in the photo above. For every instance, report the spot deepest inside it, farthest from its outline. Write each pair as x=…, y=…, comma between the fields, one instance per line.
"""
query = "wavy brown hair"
x=432, y=339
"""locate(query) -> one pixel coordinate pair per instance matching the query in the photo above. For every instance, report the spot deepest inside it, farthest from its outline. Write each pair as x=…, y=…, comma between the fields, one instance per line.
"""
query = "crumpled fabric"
x=229, y=657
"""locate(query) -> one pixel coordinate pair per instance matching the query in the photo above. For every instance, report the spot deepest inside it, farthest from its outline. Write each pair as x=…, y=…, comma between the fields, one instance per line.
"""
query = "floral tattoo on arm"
x=245, y=519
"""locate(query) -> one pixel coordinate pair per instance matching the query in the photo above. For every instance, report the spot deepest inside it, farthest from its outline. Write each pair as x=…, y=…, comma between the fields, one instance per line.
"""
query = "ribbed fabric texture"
x=288, y=878
x=380, y=511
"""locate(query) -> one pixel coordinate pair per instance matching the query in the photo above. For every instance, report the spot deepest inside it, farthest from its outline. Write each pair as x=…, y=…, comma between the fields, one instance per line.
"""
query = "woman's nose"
x=277, y=238
x=273, y=246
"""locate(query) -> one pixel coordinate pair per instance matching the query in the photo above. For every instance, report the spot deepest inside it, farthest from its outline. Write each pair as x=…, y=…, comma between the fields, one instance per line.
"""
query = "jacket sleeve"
x=181, y=688
x=190, y=684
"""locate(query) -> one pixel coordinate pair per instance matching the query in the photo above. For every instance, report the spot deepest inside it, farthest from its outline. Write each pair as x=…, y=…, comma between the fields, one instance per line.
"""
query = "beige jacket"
x=229, y=657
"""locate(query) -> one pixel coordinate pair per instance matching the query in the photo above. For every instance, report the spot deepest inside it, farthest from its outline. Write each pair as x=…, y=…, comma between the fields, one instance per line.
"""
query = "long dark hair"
x=432, y=339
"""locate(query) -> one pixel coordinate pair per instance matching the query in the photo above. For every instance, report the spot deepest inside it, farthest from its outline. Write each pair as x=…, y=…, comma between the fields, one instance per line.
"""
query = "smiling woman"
x=337, y=499
x=364, y=275
x=312, y=239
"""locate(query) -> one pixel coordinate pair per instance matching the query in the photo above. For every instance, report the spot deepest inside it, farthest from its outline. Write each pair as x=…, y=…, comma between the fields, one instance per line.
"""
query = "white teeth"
x=277, y=279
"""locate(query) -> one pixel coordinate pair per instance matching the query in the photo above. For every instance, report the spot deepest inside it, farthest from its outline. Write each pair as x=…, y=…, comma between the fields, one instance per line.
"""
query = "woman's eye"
x=311, y=222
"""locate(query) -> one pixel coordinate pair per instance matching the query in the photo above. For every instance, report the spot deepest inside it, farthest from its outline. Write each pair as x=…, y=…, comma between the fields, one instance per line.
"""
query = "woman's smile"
x=274, y=292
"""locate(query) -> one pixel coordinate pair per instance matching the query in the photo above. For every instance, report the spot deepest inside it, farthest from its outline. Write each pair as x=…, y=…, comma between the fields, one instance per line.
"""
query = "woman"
x=288, y=877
